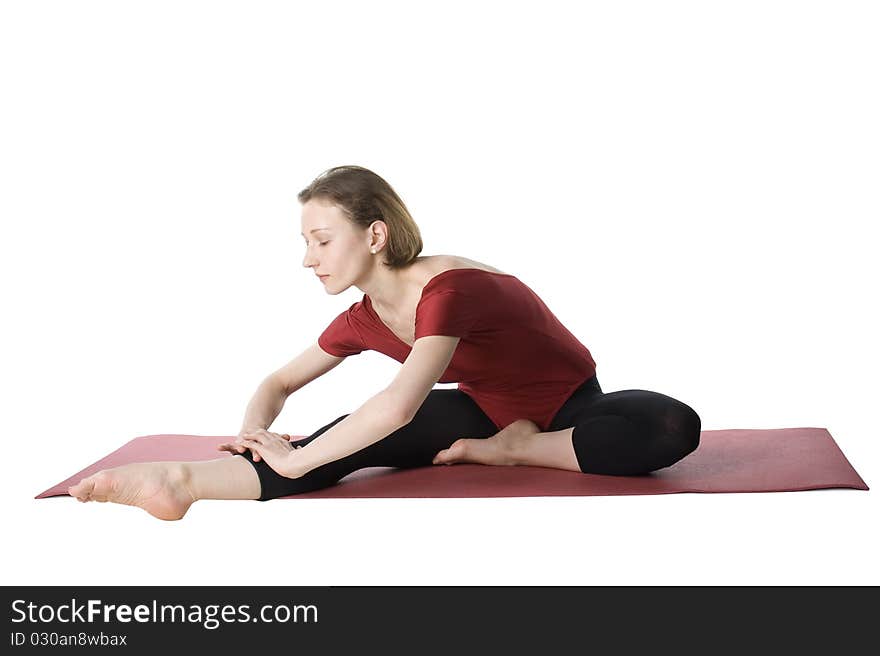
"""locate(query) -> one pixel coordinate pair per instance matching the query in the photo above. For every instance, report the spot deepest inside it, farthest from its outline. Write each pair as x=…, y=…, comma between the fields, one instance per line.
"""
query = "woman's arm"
x=268, y=401
x=265, y=406
x=377, y=418
x=393, y=408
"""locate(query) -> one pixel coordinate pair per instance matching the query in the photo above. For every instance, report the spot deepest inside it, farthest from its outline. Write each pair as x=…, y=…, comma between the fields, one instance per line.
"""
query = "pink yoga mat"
x=768, y=460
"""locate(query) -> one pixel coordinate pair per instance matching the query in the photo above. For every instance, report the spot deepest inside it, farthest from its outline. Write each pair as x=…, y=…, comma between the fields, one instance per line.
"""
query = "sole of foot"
x=160, y=488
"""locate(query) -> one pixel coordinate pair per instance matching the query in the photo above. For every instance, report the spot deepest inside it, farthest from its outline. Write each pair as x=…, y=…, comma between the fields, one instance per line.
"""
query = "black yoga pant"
x=622, y=433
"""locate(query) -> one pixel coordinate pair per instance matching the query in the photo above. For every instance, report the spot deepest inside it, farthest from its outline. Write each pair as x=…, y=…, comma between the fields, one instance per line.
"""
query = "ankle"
x=182, y=478
x=520, y=448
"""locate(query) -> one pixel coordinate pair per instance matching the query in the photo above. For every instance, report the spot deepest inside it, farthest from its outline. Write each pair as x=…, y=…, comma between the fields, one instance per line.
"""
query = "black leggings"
x=621, y=433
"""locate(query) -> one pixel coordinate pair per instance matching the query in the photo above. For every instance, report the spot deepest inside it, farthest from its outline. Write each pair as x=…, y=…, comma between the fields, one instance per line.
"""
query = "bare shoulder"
x=440, y=263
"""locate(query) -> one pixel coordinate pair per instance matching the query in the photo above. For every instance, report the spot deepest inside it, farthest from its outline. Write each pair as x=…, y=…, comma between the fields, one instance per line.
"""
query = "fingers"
x=254, y=440
x=264, y=433
x=238, y=449
x=253, y=445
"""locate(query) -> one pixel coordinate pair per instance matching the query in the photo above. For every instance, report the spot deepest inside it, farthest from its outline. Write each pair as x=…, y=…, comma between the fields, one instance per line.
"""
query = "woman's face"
x=335, y=247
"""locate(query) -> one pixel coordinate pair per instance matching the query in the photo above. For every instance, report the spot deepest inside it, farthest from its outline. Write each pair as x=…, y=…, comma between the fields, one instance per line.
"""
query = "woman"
x=528, y=392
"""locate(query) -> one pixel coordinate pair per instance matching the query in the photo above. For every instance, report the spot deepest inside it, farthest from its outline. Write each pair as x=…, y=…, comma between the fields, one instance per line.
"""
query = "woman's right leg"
x=167, y=489
x=445, y=416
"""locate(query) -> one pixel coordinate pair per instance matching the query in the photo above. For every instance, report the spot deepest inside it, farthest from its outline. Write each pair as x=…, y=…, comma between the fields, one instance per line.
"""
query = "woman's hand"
x=276, y=450
x=237, y=447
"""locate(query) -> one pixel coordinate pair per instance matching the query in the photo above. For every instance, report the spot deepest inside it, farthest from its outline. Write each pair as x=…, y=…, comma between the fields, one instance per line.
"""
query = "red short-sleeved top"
x=515, y=359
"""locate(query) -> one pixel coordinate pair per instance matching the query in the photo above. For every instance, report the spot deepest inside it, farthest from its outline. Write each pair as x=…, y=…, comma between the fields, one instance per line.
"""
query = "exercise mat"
x=738, y=460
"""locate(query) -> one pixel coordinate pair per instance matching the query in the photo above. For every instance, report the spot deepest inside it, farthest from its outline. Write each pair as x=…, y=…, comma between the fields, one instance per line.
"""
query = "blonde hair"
x=364, y=197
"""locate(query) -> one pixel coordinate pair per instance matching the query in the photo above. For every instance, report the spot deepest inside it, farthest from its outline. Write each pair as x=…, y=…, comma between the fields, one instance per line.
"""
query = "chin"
x=332, y=292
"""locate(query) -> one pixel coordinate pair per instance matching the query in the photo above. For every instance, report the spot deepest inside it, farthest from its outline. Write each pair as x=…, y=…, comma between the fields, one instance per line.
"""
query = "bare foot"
x=160, y=488
x=500, y=449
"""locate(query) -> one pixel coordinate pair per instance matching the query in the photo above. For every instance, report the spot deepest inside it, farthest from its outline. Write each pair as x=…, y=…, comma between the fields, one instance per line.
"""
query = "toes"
x=443, y=456
x=454, y=453
x=83, y=489
x=101, y=486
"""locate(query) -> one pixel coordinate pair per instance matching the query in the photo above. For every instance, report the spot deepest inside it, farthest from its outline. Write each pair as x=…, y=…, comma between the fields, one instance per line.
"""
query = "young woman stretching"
x=527, y=395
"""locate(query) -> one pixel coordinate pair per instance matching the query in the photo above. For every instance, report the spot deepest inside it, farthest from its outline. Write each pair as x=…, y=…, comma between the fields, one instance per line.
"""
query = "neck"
x=391, y=291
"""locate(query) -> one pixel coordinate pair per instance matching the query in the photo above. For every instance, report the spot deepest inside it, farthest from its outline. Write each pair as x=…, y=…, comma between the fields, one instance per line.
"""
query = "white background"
x=689, y=186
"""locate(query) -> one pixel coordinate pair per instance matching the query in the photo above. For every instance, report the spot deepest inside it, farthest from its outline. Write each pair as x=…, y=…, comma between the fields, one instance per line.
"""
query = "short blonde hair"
x=364, y=197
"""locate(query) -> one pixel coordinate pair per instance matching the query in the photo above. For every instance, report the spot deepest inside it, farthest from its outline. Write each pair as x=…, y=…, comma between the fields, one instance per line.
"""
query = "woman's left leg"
x=633, y=432
x=622, y=433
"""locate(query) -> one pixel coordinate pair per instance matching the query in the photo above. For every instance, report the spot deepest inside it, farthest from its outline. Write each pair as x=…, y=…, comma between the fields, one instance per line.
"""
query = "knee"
x=686, y=430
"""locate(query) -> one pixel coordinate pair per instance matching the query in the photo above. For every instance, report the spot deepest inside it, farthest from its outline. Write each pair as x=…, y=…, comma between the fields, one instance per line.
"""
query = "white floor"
x=819, y=537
